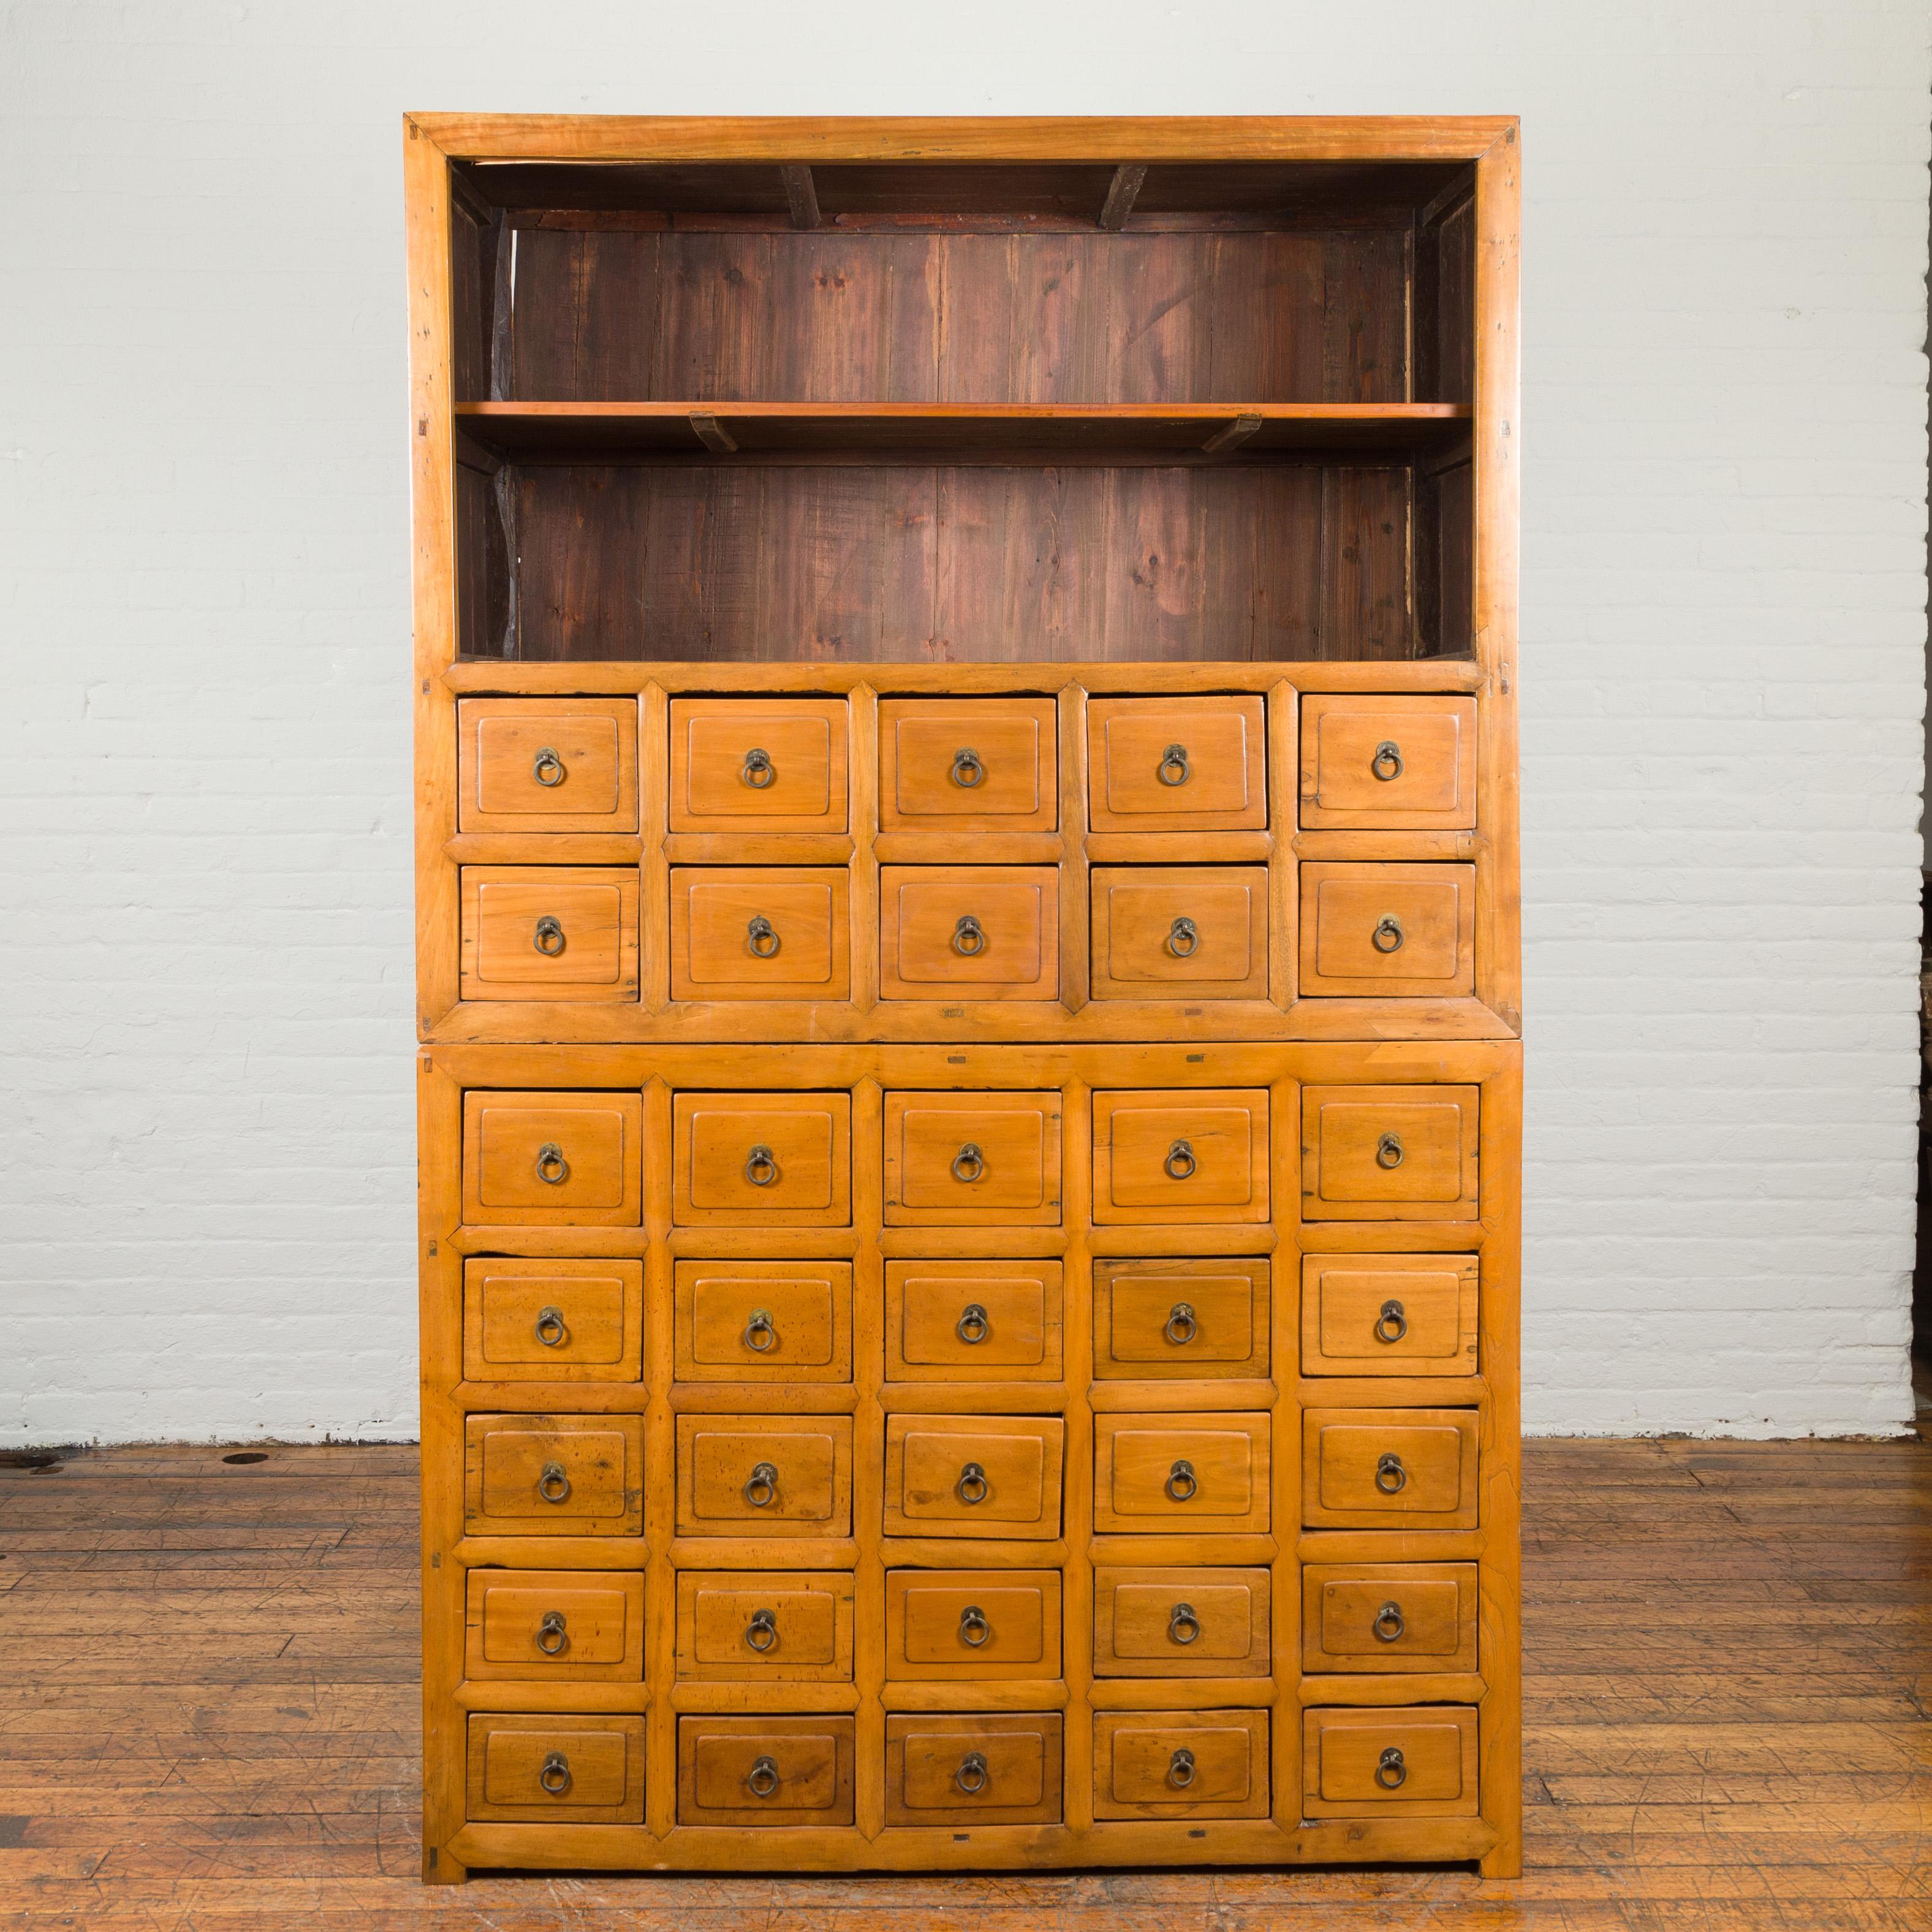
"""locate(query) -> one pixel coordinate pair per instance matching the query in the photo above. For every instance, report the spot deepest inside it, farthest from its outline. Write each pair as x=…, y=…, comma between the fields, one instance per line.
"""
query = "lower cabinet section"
x=1419, y=1762
x=764, y=1772
x=1180, y=1764
x=582, y=1770
x=973, y=1770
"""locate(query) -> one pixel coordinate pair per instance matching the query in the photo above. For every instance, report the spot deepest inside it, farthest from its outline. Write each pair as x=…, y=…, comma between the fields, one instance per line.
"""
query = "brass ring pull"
x=1181, y=1486
x=972, y=1486
x=969, y=938
x=761, y=1167
x=967, y=770
x=552, y=1484
x=555, y=1775
x=549, y=1328
x=1386, y=763
x=1391, y=1324
x=1173, y=766
x=761, y=938
x=761, y=1485
x=762, y=1632
x=1389, y=1623
x=972, y=1325
x=1183, y=1625
x=971, y=1776
x=759, y=771
x=1180, y=1769
x=552, y=1638
x=552, y=1169
x=1179, y=1163
x=548, y=768
x=1390, y=1771
x=973, y=1628
x=969, y=1164
x=1388, y=1151
x=761, y=1337
x=1183, y=941
x=548, y=938
x=762, y=1779
x=1388, y=934
x=1390, y=1476
x=1181, y=1327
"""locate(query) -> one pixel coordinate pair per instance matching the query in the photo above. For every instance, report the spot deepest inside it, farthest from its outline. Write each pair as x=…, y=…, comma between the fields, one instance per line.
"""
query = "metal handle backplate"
x=761, y=1336
x=1183, y=1625
x=972, y=1776
x=972, y=1487
x=1389, y=1623
x=1181, y=1327
x=762, y=1632
x=1390, y=1772
x=555, y=1775
x=761, y=1485
x=972, y=1326
x=550, y=1330
x=1390, y=1477
x=761, y=1167
x=967, y=769
x=1173, y=769
x=1184, y=940
x=969, y=938
x=548, y=938
x=554, y=1483
x=1180, y=1769
x=762, y=1779
x=973, y=1628
x=969, y=1164
x=552, y=1170
x=547, y=768
x=1392, y=1323
x=1179, y=1163
x=1388, y=1151
x=758, y=771
x=761, y=938
x=552, y=1637
x=1181, y=1486
x=1386, y=763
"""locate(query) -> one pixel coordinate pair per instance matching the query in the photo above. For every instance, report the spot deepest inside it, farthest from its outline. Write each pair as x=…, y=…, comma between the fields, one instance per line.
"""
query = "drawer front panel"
x=778, y=1475
x=756, y=765
x=1388, y=1315
x=954, y=1625
x=1393, y=764
x=1168, y=1474
x=1169, y=1156
x=973, y=932
x=553, y=1475
x=966, y=1320
x=558, y=764
x=764, y=1772
x=957, y=1160
x=1419, y=1762
x=1180, y=1319
x=1388, y=931
x=749, y=1159
x=552, y=1159
x=1381, y=1467
x=1166, y=932
x=1177, y=764
x=569, y=1626
x=1389, y=1154
x=1388, y=1617
x=973, y=1769
x=1181, y=1623
x=1180, y=1764
x=787, y=1627
x=967, y=765
x=760, y=933
x=531, y=1321
x=549, y=932
x=776, y=1321
x=538, y=1770
x=988, y=1476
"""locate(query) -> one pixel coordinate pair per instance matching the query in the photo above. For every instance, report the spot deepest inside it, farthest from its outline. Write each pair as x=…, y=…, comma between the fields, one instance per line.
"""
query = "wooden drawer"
x=555, y=1321
x=1388, y=1153
x=963, y=1159
x=978, y=1476
x=792, y=1626
x=1181, y=932
x=1180, y=1764
x=546, y=764
x=972, y=1321
x=1385, y=1467
x=1417, y=1762
x=757, y=764
x=1177, y=764
x=1388, y=1617
x=746, y=1160
x=552, y=1159
x=553, y=1475
x=764, y=1772
x=983, y=764
x=565, y=1626
x=954, y=1625
x=1388, y=931
x=764, y=1475
x=538, y=1770
x=760, y=933
x=1181, y=1623
x=549, y=932
x=1390, y=764
x=972, y=1769
x=1388, y=1315
x=768, y=1321
x=1197, y=1320
x=969, y=932
x=1199, y=1155
x=1180, y=1474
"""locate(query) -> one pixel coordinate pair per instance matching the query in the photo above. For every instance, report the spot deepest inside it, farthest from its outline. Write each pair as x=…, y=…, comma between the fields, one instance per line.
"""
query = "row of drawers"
x=964, y=765
x=982, y=932
x=962, y=1158
x=984, y=1476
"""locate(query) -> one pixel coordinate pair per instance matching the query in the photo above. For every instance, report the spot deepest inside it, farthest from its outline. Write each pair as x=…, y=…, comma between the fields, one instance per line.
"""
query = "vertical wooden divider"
x=1076, y=909
x=1285, y=1323
x=1284, y=765
x=868, y=1453
x=660, y=1453
x=654, y=869
x=1076, y=1186
x=862, y=762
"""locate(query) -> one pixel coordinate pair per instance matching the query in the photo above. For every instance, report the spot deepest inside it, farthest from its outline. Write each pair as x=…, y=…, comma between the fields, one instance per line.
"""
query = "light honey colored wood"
x=950, y=1322
x=763, y=1321
x=587, y=1771
x=764, y=1627
x=1385, y=1617
x=1415, y=1762
x=1387, y=932
x=547, y=765
x=1174, y=1157
x=1182, y=1623
x=1189, y=1475
x=973, y=1771
x=1190, y=932
x=753, y=1159
x=553, y=1475
x=972, y=1626
x=1388, y=1315
x=763, y=933
x=968, y=1160
x=552, y=1158
x=1404, y=1467
x=720, y=783
x=968, y=765
x=549, y=932
x=1177, y=764
x=1184, y=1320
x=809, y=1781
x=1389, y=1154
x=763, y=1477
x=554, y=1626
x=1425, y=781
x=1171, y=1764
x=553, y=1320
x=990, y=932
x=988, y=1476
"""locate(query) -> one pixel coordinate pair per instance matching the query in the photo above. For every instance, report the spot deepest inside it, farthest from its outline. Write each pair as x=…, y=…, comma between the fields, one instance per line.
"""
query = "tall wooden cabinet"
x=967, y=867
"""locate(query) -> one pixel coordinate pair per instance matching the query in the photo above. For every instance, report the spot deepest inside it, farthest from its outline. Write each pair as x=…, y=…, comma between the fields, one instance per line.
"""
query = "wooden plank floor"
x=208, y=1717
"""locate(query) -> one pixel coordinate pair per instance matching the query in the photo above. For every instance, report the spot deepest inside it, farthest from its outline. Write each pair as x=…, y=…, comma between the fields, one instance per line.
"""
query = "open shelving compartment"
x=956, y=412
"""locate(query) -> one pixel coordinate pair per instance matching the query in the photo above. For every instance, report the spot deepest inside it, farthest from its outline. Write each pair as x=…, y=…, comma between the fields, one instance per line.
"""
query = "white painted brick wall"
x=207, y=1140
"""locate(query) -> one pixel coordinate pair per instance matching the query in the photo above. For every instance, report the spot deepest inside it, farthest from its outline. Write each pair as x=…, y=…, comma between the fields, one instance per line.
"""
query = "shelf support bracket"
x=1230, y=434
x=709, y=431
x=802, y=195
x=1120, y=202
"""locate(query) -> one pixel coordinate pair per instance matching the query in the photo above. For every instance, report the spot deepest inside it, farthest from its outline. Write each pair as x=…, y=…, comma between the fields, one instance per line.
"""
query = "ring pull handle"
x=969, y=938
x=759, y=772
x=762, y=1632
x=552, y=1637
x=761, y=1337
x=1181, y=1327
x=971, y=1776
x=969, y=1164
x=972, y=1326
x=1390, y=1477
x=1183, y=941
x=761, y=1167
x=550, y=1330
x=972, y=1486
x=552, y=1169
x=1173, y=766
x=1391, y=1324
x=1388, y=934
x=761, y=1485
x=1180, y=1769
x=967, y=769
x=1181, y=1485
x=555, y=1775
x=1389, y=1623
x=1388, y=1151
x=761, y=938
x=762, y=1779
x=1386, y=763
x=1183, y=1625
x=548, y=938
x=547, y=768
x=1179, y=1163
x=973, y=1628
x=1390, y=1772
x=552, y=1484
